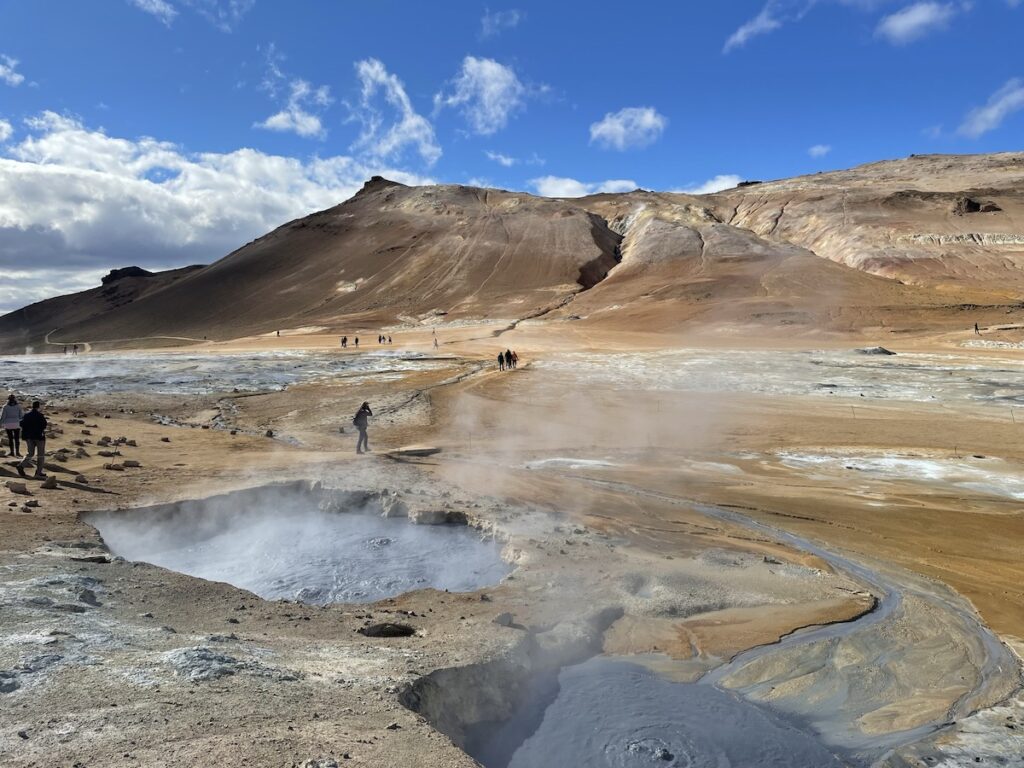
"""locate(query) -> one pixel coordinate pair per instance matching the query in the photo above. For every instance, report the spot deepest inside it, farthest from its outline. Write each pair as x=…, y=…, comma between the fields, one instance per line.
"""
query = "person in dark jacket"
x=33, y=431
x=508, y=359
x=360, y=422
x=501, y=361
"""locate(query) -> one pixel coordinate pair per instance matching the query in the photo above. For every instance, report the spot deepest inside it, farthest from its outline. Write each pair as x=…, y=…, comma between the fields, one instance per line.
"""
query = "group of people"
x=74, y=347
x=507, y=360
x=381, y=339
x=29, y=426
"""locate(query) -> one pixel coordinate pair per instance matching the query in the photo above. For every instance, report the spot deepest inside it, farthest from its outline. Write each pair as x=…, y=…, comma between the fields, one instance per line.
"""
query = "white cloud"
x=487, y=92
x=409, y=128
x=303, y=103
x=714, y=184
x=75, y=202
x=296, y=117
x=6, y=130
x=761, y=24
x=558, y=186
x=915, y=21
x=225, y=15
x=493, y=24
x=819, y=150
x=501, y=159
x=629, y=127
x=161, y=9
x=8, y=73
x=1002, y=103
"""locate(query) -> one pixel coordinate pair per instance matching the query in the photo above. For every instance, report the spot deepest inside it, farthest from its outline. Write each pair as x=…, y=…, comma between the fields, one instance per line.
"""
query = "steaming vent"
x=300, y=542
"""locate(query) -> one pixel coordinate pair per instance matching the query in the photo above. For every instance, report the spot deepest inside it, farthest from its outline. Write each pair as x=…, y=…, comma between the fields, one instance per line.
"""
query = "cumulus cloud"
x=8, y=71
x=629, y=127
x=1001, y=104
x=493, y=24
x=559, y=186
x=819, y=150
x=75, y=202
x=765, y=22
x=6, y=130
x=161, y=9
x=407, y=127
x=486, y=92
x=714, y=184
x=915, y=21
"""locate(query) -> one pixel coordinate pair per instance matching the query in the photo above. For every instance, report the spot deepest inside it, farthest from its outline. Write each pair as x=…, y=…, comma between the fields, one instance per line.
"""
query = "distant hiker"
x=508, y=359
x=65, y=349
x=357, y=342
x=33, y=429
x=515, y=359
x=10, y=419
x=74, y=348
x=435, y=342
x=977, y=330
x=389, y=340
x=501, y=361
x=360, y=422
x=279, y=334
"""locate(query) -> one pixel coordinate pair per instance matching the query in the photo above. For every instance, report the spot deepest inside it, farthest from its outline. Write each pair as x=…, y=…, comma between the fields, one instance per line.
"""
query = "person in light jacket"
x=10, y=419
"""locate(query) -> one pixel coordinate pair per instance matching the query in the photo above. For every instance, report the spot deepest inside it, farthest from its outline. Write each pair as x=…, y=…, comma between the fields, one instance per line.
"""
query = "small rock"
x=21, y=488
x=503, y=619
x=393, y=727
x=32, y=503
x=81, y=479
x=114, y=467
x=50, y=483
x=165, y=439
x=132, y=463
x=22, y=734
x=269, y=433
x=387, y=629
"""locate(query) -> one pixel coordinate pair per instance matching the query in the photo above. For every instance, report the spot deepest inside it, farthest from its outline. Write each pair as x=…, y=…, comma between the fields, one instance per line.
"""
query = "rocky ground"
x=108, y=662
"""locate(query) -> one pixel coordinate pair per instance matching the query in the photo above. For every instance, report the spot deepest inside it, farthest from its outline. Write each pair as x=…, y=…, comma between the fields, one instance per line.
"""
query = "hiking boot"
x=40, y=476
x=21, y=471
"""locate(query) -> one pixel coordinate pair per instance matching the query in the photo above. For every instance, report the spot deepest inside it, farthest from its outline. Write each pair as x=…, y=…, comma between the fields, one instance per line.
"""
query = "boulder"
x=387, y=629
x=21, y=488
x=874, y=351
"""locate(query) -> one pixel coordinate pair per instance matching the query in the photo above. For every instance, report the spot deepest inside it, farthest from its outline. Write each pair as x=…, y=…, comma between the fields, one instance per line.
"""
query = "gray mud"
x=281, y=543
x=610, y=712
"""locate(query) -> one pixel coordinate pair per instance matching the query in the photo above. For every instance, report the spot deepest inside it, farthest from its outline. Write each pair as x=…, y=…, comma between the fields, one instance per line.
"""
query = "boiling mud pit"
x=611, y=713
x=631, y=717
x=195, y=374
x=291, y=542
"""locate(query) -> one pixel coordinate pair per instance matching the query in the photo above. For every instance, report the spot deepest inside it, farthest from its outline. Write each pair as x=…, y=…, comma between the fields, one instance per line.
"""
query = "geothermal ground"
x=632, y=551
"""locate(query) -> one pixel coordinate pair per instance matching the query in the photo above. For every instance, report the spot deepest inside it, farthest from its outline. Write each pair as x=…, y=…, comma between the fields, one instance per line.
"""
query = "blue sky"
x=164, y=132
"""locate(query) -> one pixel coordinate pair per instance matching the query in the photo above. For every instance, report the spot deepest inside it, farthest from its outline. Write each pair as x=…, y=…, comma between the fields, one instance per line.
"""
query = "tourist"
x=357, y=342
x=501, y=361
x=389, y=340
x=977, y=330
x=360, y=422
x=515, y=359
x=10, y=418
x=435, y=342
x=33, y=429
x=508, y=359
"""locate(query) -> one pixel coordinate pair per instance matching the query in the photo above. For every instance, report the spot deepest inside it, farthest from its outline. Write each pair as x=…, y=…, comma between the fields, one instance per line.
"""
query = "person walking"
x=501, y=361
x=10, y=419
x=508, y=359
x=515, y=359
x=33, y=429
x=357, y=342
x=361, y=421
x=977, y=330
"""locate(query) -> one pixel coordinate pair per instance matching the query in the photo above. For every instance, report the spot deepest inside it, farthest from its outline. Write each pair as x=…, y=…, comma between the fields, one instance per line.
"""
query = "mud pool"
x=611, y=713
x=280, y=543
x=194, y=374
x=907, y=377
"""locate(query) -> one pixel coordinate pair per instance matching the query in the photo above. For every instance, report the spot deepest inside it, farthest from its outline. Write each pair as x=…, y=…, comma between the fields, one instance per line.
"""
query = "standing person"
x=435, y=342
x=10, y=419
x=977, y=330
x=389, y=340
x=357, y=342
x=501, y=361
x=515, y=359
x=508, y=359
x=33, y=428
x=66, y=346
x=360, y=422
